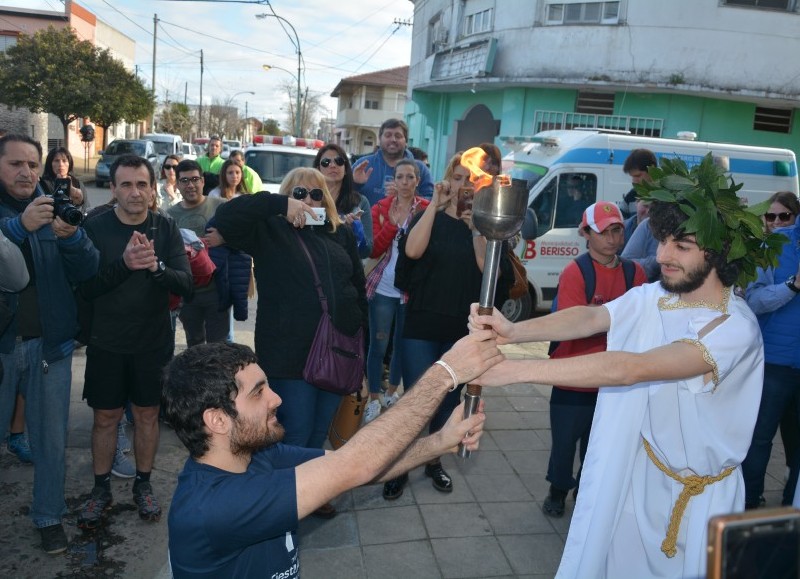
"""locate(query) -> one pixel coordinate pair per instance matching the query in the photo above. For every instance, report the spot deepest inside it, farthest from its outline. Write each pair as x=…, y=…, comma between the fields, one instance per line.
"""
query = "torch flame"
x=472, y=159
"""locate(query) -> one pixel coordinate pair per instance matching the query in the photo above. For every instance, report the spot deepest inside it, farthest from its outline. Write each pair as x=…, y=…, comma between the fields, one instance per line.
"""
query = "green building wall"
x=432, y=117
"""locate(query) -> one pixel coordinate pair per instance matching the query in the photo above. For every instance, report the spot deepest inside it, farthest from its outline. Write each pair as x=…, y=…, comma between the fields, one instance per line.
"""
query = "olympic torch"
x=498, y=210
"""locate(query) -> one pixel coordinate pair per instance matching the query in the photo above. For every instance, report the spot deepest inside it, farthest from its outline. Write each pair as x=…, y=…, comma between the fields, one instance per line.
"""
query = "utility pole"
x=185, y=91
x=200, y=108
x=155, y=32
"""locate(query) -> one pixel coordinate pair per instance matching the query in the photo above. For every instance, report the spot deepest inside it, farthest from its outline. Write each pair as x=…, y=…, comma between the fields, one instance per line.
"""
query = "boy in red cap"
x=594, y=278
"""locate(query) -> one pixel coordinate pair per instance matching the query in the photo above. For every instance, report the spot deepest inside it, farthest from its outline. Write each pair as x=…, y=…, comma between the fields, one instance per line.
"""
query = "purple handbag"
x=335, y=361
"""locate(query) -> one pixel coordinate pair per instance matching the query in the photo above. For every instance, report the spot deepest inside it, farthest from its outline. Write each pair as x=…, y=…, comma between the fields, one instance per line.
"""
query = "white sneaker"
x=372, y=411
x=391, y=400
x=123, y=467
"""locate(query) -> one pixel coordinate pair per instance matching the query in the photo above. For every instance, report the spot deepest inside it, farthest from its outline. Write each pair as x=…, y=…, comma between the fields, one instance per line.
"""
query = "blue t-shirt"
x=224, y=524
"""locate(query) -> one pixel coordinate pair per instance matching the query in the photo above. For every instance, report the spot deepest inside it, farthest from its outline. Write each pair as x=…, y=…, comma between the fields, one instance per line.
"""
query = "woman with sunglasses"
x=440, y=267
x=783, y=210
x=60, y=165
x=288, y=304
x=391, y=217
x=231, y=181
x=352, y=206
x=168, y=194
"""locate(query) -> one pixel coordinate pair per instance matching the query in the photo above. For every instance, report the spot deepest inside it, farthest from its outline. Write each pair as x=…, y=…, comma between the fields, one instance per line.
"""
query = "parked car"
x=188, y=151
x=118, y=147
x=273, y=162
x=166, y=144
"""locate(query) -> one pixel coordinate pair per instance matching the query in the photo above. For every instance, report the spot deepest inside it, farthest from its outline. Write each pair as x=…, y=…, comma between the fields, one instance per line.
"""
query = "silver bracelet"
x=476, y=233
x=450, y=371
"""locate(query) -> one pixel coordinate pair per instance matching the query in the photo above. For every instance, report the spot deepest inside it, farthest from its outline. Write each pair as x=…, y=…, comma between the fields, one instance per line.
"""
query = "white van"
x=166, y=144
x=566, y=171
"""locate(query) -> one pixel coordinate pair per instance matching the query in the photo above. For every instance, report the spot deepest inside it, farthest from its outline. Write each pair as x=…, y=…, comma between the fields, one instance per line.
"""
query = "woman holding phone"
x=391, y=217
x=352, y=206
x=440, y=267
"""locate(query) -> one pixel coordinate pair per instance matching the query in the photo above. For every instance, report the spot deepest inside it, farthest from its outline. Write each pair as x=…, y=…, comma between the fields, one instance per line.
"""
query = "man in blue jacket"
x=36, y=348
x=773, y=298
x=373, y=176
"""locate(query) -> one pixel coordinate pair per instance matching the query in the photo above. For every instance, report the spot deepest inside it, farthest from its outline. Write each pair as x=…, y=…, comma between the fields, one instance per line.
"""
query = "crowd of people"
x=387, y=252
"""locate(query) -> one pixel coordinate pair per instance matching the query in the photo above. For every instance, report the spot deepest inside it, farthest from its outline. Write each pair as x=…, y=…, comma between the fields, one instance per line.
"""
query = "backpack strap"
x=629, y=270
x=584, y=262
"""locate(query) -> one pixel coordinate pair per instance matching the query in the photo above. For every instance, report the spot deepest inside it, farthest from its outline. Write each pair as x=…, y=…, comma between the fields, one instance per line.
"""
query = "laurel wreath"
x=716, y=216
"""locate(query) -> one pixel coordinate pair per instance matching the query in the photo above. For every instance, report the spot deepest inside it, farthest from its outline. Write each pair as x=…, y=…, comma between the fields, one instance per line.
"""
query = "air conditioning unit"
x=440, y=37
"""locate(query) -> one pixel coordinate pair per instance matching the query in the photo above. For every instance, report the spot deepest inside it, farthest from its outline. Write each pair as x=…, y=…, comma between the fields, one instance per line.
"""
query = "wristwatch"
x=160, y=269
x=791, y=286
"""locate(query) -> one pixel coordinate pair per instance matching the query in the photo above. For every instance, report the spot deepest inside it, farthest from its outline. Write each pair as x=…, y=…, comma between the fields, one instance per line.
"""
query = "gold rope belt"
x=692, y=485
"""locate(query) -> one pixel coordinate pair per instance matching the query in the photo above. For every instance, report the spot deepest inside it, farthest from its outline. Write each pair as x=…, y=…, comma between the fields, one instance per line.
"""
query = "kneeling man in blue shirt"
x=241, y=493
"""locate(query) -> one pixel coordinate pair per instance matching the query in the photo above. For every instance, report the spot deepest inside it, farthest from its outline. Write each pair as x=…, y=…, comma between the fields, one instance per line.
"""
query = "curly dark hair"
x=668, y=219
x=200, y=378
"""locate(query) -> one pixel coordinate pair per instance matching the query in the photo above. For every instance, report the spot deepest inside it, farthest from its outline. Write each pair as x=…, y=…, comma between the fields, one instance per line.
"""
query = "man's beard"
x=248, y=437
x=691, y=281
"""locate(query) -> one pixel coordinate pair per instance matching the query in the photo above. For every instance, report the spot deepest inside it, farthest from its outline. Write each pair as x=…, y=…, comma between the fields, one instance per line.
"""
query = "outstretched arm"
x=567, y=324
x=457, y=430
x=378, y=445
x=604, y=368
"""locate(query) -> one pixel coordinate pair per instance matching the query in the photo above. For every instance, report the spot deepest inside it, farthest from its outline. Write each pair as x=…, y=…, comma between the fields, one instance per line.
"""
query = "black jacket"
x=288, y=306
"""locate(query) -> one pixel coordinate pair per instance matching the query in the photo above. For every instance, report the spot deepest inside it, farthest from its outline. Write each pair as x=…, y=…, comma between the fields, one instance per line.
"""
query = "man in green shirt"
x=211, y=162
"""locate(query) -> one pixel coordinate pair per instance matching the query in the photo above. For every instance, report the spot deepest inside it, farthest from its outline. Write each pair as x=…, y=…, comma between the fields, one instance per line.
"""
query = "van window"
x=563, y=199
x=272, y=166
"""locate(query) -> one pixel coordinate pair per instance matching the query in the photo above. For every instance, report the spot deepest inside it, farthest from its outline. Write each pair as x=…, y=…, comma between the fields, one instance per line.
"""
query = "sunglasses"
x=783, y=216
x=169, y=167
x=301, y=192
x=326, y=162
x=186, y=180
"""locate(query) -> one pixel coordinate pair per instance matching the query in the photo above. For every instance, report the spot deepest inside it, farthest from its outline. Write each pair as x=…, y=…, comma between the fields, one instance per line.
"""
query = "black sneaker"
x=748, y=506
x=54, y=539
x=441, y=480
x=553, y=505
x=393, y=489
x=149, y=509
x=92, y=511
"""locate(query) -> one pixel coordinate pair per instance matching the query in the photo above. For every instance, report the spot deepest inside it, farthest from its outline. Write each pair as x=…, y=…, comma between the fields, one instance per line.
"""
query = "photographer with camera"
x=36, y=348
x=58, y=174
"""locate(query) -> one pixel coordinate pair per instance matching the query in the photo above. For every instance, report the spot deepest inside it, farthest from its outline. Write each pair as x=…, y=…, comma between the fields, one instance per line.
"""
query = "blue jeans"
x=418, y=356
x=46, y=389
x=571, y=416
x=781, y=384
x=382, y=310
x=306, y=411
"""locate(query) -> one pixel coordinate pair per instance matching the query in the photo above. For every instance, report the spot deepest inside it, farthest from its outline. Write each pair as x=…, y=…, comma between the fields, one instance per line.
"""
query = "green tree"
x=176, y=119
x=48, y=72
x=118, y=94
x=271, y=127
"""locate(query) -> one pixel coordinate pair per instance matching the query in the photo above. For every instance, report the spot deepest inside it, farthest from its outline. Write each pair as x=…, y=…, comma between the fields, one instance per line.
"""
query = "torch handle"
x=473, y=394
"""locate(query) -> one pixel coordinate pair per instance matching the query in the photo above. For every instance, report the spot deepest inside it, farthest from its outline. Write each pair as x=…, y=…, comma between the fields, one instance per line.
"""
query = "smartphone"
x=321, y=216
x=464, y=203
x=358, y=212
x=757, y=544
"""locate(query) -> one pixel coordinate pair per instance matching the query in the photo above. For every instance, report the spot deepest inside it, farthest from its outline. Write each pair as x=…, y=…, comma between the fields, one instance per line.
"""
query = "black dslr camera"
x=62, y=205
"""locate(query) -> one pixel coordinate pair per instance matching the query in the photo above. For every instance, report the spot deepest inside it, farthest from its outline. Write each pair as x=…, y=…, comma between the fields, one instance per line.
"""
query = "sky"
x=337, y=40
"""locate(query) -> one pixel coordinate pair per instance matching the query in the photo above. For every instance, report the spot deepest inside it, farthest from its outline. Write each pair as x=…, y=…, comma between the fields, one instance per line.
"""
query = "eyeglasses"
x=187, y=180
x=169, y=167
x=783, y=216
x=326, y=162
x=301, y=192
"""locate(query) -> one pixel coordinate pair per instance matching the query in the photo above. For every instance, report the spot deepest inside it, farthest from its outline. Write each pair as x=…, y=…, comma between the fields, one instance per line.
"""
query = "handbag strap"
x=323, y=301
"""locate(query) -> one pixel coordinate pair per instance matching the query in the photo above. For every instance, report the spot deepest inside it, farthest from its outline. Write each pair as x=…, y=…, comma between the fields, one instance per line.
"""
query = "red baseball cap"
x=599, y=216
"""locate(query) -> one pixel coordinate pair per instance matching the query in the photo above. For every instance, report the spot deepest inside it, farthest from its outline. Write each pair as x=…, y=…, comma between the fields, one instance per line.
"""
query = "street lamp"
x=297, y=122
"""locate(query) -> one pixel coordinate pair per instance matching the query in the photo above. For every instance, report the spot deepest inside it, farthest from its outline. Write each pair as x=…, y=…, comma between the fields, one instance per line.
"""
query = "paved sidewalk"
x=491, y=525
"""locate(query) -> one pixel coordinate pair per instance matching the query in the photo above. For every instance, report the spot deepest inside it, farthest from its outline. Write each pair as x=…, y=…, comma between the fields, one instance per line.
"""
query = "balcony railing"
x=554, y=120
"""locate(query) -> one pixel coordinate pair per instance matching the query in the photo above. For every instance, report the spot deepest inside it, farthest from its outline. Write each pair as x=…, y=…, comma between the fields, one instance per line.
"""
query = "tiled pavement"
x=491, y=525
